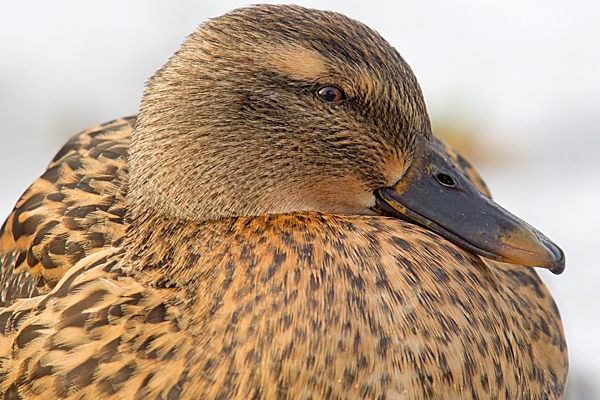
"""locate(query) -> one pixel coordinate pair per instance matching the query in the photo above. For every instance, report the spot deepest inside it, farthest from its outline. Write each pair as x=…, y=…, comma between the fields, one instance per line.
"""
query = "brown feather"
x=127, y=276
x=74, y=209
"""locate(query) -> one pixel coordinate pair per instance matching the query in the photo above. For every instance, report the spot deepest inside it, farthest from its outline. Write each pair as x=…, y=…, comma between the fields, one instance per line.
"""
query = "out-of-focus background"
x=514, y=85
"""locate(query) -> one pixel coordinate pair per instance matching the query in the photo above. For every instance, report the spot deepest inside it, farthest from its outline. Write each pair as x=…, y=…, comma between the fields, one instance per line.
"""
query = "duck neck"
x=174, y=258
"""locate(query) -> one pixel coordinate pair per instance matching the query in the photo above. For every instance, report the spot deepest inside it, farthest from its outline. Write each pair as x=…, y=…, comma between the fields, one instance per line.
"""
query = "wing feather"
x=74, y=209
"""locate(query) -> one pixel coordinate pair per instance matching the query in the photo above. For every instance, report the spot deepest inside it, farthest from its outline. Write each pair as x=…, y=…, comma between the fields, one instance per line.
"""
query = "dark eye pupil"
x=331, y=94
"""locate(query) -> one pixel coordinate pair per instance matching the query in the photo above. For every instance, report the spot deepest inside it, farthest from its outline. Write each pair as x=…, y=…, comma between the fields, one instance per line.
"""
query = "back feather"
x=74, y=209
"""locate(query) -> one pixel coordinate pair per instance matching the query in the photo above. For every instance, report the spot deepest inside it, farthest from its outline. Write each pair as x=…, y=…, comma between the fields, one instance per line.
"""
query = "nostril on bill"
x=445, y=180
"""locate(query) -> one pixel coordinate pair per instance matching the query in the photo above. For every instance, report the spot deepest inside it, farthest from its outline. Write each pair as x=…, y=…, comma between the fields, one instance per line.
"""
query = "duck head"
x=277, y=109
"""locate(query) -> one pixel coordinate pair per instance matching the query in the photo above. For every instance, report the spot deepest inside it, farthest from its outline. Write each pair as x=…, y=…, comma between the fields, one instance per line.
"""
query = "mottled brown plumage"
x=226, y=245
x=75, y=208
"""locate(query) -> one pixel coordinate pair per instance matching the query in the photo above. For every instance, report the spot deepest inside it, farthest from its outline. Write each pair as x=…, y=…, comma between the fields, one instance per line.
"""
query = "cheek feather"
x=337, y=195
x=394, y=170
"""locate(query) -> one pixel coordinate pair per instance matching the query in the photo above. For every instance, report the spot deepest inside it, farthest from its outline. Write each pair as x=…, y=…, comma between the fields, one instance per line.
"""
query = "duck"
x=278, y=221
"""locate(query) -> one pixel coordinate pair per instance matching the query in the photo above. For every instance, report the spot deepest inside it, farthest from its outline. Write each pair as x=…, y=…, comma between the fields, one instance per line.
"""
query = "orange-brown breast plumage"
x=106, y=297
x=339, y=305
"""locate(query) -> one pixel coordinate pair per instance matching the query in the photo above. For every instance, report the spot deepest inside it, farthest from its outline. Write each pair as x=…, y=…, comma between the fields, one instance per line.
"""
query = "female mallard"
x=277, y=223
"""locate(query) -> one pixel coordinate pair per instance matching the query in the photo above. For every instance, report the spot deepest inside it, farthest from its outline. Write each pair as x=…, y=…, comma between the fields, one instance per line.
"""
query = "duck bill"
x=435, y=194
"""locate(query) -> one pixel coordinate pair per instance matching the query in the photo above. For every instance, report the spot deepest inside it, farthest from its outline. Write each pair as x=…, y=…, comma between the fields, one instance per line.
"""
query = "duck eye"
x=331, y=94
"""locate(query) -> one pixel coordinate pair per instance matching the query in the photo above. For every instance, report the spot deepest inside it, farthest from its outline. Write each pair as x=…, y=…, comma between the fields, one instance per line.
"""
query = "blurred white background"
x=515, y=84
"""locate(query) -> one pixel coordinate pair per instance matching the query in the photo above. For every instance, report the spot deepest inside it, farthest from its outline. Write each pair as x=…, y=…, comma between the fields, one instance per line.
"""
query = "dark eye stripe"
x=331, y=94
